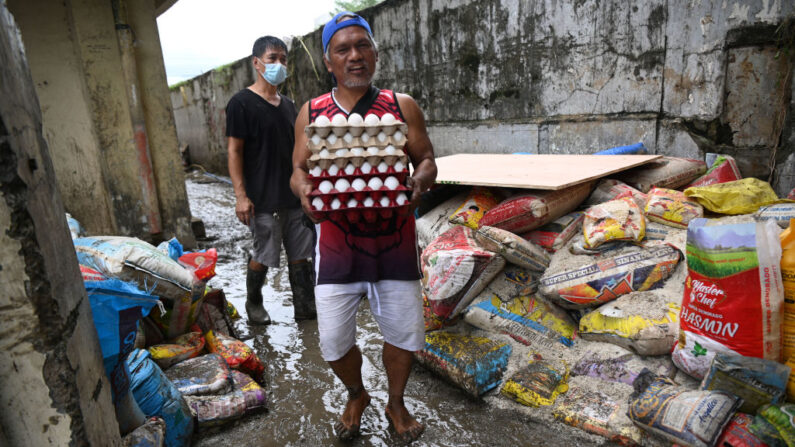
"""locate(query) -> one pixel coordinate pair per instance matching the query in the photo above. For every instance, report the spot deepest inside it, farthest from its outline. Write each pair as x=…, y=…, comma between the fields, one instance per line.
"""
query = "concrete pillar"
x=53, y=389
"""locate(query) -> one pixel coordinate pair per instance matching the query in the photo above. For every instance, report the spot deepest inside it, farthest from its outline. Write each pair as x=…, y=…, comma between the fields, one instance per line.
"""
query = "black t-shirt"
x=268, y=135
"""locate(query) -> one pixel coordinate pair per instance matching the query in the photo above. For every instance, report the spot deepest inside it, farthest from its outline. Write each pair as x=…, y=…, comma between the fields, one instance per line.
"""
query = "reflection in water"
x=305, y=399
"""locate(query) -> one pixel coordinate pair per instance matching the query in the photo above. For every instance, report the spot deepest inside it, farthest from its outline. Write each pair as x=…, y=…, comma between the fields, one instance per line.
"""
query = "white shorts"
x=396, y=306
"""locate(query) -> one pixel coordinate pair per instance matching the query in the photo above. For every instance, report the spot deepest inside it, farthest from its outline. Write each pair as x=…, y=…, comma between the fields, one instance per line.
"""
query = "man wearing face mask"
x=260, y=139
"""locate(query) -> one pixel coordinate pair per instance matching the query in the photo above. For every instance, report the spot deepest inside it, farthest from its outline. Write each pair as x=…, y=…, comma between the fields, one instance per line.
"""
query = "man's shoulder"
x=239, y=98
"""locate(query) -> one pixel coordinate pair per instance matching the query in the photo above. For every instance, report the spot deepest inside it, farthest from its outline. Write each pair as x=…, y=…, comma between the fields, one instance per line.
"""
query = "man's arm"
x=299, y=182
x=244, y=209
x=419, y=149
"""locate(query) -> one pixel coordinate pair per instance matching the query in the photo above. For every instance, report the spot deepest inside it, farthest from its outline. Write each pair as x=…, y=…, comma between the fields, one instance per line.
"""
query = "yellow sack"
x=479, y=201
x=539, y=383
x=738, y=197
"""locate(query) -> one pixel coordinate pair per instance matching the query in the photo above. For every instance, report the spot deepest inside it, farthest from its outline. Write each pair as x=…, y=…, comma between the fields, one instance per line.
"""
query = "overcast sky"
x=199, y=35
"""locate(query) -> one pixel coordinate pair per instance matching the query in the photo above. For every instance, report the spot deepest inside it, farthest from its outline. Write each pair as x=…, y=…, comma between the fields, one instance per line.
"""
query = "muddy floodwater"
x=304, y=397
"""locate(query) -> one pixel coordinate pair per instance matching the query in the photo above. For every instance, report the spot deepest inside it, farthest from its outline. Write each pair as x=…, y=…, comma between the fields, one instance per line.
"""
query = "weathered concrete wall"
x=76, y=63
x=53, y=388
x=577, y=76
x=200, y=111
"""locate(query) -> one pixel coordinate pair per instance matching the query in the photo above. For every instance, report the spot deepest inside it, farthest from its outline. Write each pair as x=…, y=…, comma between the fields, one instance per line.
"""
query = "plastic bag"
x=474, y=364
x=756, y=381
x=538, y=383
x=208, y=374
x=172, y=248
x=688, y=418
x=723, y=170
x=609, y=189
x=455, y=269
x=733, y=294
x=184, y=347
x=75, y=228
x=595, y=283
x=616, y=220
x=667, y=172
x=528, y=211
x=620, y=366
x=477, y=203
x=738, y=197
x=554, y=235
x=738, y=433
x=513, y=248
x=202, y=263
x=671, y=207
x=775, y=424
x=237, y=354
x=646, y=323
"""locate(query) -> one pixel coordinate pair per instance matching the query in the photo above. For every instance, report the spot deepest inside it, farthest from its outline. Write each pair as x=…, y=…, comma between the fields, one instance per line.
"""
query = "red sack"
x=723, y=170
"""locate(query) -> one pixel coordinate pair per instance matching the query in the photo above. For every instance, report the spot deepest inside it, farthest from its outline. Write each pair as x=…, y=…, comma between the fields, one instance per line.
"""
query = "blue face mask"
x=274, y=74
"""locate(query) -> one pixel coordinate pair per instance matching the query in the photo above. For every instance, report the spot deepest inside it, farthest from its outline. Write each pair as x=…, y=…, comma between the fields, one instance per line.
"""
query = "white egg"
x=382, y=167
x=339, y=120
x=355, y=120
x=375, y=183
x=316, y=139
x=372, y=150
x=391, y=182
x=349, y=168
x=336, y=204
x=371, y=120
x=324, y=154
x=333, y=170
x=390, y=150
x=358, y=184
x=381, y=137
x=342, y=185
x=322, y=120
x=317, y=203
x=365, y=138
x=352, y=203
x=358, y=151
x=341, y=152
x=384, y=201
x=368, y=202
x=331, y=139
x=366, y=167
x=316, y=171
x=399, y=166
x=348, y=138
x=398, y=136
x=401, y=199
x=325, y=186
x=388, y=119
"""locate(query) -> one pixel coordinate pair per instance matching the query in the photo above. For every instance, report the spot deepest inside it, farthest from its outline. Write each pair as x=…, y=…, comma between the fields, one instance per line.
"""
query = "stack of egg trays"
x=331, y=145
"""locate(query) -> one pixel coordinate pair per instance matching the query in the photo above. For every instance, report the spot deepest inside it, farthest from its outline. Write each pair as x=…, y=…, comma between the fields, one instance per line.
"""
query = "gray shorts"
x=286, y=227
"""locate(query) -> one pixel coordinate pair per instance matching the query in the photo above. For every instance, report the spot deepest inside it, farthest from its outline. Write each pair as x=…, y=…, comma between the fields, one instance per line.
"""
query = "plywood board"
x=550, y=172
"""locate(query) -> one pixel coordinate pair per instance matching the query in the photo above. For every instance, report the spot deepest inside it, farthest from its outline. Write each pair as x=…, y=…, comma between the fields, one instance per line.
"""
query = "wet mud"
x=304, y=397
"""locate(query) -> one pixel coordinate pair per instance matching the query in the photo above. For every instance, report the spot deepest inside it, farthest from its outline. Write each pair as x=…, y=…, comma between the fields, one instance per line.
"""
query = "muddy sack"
x=554, y=235
x=511, y=282
x=151, y=434
x=513, y=248
x=733, y=294
x=688, y=418
x=254, y=395
x=474, y=364
x=595, y=283
x=620, y=366
x=237, y=354
x=216, y=314
x=672, y=208
x=436, y=221
x=667, y=172
x=526, y=319
x=724, y=169
x=530, y=210
x=616, y=220
x=781, y=213
x=756, y=381
x=184, y=347
x=455, y=269
x=180, y=313
x=477, y=203
x=609, y=189
x=136, y=261
x=157, y=396
x=208, y=374
x=658, y=232
x=646, y=323
x=538, y=383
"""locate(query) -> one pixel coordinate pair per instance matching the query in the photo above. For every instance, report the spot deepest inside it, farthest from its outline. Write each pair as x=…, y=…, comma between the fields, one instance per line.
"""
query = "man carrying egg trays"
x=358, y=168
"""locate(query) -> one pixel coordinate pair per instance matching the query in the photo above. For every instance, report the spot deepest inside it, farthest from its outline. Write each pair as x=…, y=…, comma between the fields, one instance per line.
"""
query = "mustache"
x=363, y=65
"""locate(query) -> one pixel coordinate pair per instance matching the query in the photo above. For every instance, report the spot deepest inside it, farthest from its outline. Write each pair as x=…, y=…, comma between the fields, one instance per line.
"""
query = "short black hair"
x=266, y=43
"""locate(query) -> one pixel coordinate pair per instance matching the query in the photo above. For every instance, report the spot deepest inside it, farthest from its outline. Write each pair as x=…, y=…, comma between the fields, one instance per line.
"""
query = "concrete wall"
x=53, y=388
x=89, y=108
x=577, y=76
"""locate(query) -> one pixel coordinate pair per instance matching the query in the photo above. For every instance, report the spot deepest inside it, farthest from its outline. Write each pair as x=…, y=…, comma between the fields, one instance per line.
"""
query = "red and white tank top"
x=384, y=250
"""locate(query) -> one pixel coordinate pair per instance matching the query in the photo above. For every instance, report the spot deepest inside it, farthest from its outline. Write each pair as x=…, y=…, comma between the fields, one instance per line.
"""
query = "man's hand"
x=299, y=181
x=418, y=187
x=244, y=210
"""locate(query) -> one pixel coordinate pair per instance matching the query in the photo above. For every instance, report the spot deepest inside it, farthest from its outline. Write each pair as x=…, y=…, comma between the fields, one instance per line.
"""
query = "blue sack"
x=172, y=247
x=637, y=148
x=157, y=396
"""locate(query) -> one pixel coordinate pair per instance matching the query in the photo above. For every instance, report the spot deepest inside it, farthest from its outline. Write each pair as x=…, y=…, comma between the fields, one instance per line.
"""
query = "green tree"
x=353, y=5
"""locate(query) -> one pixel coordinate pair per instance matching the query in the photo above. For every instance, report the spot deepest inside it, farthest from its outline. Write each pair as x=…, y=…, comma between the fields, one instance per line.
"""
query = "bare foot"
x=348, y=426
x=406, y=427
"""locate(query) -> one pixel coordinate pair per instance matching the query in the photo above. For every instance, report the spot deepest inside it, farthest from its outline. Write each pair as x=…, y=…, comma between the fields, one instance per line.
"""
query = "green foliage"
x=353, y=5
x=721, y=262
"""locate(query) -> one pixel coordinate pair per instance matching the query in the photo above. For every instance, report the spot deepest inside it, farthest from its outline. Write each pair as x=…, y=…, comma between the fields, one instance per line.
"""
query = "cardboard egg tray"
x=356, y=131
x=356, y=160
x=380, y=140
x=361, y=212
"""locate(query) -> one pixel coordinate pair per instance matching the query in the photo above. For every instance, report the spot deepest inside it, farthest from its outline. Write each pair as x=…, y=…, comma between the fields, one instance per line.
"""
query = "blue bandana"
x=332, y=26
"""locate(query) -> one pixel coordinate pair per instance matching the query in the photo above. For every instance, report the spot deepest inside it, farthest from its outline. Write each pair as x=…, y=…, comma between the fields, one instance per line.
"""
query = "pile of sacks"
x=647, y=308
x=167, y=339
